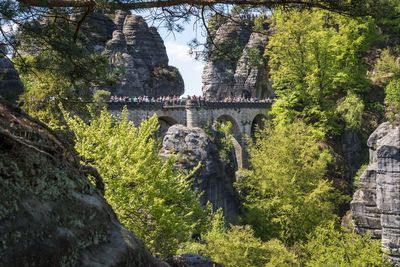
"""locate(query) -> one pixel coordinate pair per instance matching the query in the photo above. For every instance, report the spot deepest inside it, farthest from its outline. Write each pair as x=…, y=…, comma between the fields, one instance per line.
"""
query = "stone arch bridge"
x=244, y=116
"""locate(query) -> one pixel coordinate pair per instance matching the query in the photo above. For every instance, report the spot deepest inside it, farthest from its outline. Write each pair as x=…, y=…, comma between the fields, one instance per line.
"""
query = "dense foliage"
x=149, y=197
x=237, y=246
x=56, y=69
x=328, y=246
x=287, y=193
x=316, y=61
x=387, y=74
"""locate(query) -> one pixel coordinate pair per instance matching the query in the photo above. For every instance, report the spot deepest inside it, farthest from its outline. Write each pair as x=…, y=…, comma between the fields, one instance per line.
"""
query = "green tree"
x=237, y=246
x=387, y=74
x=287, y=195
x=56, y=69
x=328, y=246
x=392, y=100
x=150, y=198
x=316, y=61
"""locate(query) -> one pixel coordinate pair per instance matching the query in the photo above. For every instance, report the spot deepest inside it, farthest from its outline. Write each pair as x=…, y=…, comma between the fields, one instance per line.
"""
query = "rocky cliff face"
x=376, y=204
x=10, y=84
x=215, y=177
x=50, y=214
x=235, y=61
x=137, y=52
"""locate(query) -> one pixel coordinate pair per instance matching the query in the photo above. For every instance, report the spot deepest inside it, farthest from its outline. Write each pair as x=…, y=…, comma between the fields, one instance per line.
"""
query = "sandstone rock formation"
x=10, y=84
x=50, y=214
x=235, y=61
x=137, y=52
x=376, y=204
x=191, y=260
x=215, y=177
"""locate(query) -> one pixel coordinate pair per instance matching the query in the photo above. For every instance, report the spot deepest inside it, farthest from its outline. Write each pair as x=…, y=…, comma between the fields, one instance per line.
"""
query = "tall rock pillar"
x=376, y=204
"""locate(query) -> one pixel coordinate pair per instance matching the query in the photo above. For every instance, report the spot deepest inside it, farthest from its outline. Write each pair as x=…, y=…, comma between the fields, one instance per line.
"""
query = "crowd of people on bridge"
x=250, y=100
x=176, y=100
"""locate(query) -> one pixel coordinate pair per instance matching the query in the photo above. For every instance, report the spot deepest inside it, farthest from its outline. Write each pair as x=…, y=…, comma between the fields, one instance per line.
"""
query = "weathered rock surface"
x=10, y=84
x=137, y=51
x=376, y=204
x=191, y=260
x=238, y=68
x=352, y=153
x=50, y=214
x=215, y=177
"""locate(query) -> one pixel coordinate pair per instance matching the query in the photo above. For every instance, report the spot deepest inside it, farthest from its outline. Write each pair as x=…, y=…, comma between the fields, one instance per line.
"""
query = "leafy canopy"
x=388, y=74
x=316, y=61
x=150, y=198
x=287, y=194
x=237, y=246
x=328, y=246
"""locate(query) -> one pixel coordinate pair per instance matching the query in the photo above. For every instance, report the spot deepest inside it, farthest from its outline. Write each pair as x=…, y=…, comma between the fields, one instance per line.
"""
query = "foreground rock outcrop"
x=215, y=177
x=137, y=52
x=376, y=204
x=50, y=214
x=191, y=260
x=235, y=62
x=10, y=84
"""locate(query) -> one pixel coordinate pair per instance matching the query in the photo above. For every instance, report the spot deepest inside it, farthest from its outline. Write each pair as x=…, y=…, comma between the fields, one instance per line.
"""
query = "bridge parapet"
x=232, y=105
x=144, y=105
x=187, y=104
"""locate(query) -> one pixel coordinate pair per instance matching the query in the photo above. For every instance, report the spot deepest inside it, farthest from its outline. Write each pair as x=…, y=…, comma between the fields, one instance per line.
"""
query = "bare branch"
x=170, y=3
x=80, y=22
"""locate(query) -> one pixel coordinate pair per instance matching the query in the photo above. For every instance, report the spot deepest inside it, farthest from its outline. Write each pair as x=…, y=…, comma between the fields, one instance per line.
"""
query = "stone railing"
x=229, y=105
x=189, y=104
x=146, y=105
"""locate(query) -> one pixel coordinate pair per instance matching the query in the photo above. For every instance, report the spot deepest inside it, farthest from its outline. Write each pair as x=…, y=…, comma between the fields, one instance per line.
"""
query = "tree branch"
x=328, y=4
x=80, y=22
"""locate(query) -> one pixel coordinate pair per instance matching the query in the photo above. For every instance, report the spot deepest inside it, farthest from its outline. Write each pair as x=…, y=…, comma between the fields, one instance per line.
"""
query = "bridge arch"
x=236, y=139
x=235, y=125
x=257, y=124
x=164, y=123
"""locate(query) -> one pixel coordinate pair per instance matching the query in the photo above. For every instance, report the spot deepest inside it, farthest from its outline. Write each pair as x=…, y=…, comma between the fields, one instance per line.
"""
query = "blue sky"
x=178, y=53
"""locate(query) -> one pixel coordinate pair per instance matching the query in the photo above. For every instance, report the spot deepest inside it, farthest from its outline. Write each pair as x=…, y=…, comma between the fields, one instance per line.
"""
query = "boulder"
x=215, y=177
x=51, y=214
x=191, y=260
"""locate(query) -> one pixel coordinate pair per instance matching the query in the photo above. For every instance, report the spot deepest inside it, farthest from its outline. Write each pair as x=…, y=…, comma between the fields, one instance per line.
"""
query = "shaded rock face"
x=215, y=177
x=376, y=204
x=230, y=75
x=137, y=52
x=50, y=214
x=11, y=86
x=191, y=260
x=352, y=153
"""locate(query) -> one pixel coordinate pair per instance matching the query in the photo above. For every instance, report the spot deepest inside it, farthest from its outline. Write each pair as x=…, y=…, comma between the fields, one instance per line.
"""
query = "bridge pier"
x=192, y=119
